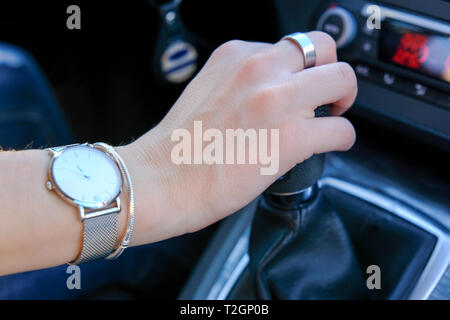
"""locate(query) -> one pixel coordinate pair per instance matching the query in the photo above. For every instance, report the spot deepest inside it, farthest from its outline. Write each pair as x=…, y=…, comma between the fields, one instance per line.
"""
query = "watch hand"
x=75, y=172
x=82, y=172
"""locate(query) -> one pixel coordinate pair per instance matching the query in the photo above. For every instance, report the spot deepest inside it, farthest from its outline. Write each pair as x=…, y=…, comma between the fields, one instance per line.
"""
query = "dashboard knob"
x=340, y=24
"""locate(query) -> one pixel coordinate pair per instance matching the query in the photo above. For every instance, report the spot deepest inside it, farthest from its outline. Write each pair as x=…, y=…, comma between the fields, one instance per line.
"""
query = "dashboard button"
x=340, y=24
x=421, y=91
x=389, y=78
x=363, y=70
x=333, y=26
x=368, y=47
x=416, y=89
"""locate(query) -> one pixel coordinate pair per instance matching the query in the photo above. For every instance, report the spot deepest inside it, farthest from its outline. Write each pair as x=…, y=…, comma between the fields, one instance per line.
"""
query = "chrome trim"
x=413, y=19
x=440, y=258
x=442, y=290
x=233, y=267
x=432, y=273
x=303, y=194
x=235, y=275
x=85, y=213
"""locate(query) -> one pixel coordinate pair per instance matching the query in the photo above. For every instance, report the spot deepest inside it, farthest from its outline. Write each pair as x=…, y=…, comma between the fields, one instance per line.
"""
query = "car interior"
x=320, y=230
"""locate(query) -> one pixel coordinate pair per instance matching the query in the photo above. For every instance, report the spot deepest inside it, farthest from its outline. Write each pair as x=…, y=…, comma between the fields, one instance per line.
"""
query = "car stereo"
x=401, y=58
x=416, y=49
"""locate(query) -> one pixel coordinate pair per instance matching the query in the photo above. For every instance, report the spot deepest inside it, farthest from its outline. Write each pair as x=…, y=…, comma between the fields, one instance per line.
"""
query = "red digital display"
x=415, y=49
x=412, y=50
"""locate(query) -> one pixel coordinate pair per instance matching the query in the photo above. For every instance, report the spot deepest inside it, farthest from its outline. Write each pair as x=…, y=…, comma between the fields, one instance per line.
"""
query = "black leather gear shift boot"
x=322, y=250
x=304, y=254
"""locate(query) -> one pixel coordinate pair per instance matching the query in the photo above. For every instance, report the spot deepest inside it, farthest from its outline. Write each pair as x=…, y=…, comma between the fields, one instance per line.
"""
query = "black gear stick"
x=300, y=183
x=297, y=237
x=308, y=242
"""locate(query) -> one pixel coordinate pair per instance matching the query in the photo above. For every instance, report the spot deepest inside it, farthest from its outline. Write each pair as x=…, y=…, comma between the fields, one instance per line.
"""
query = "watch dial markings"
x=86, y=174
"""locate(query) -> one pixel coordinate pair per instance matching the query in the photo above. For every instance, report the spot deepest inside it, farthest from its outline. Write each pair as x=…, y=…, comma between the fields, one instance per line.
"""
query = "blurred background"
x=102, y=75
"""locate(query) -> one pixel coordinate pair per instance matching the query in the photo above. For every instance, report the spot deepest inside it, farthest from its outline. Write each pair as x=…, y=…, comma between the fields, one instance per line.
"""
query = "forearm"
x=38, y=229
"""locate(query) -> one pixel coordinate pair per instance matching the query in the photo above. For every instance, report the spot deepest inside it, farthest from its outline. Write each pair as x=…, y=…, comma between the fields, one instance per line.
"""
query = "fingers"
x=327, y=83
x=330, y=134
x=236, y=50
x=290, y=57
x=333, y=83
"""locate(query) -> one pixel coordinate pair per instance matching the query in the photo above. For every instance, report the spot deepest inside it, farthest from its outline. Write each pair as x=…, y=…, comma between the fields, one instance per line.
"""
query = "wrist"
x=151, y=198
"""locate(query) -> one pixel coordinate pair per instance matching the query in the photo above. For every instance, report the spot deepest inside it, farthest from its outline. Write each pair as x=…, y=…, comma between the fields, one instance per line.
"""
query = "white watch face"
x=87, y=175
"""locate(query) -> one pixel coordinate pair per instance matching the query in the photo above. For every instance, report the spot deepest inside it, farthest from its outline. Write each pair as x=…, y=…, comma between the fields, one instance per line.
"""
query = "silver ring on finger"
x=306, y=46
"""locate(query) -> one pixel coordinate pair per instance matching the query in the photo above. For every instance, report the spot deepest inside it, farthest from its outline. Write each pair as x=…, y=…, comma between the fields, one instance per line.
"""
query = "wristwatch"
x=88, y=177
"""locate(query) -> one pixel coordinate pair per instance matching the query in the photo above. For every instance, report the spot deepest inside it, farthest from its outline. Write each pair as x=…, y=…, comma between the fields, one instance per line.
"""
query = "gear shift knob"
x=304, y=175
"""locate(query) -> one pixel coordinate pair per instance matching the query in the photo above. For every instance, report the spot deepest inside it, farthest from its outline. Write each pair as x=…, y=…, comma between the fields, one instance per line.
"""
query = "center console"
x=379, y=204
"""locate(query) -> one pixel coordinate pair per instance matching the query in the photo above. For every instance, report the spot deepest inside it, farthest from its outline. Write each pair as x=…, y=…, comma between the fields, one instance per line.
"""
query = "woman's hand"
x=243, y=85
